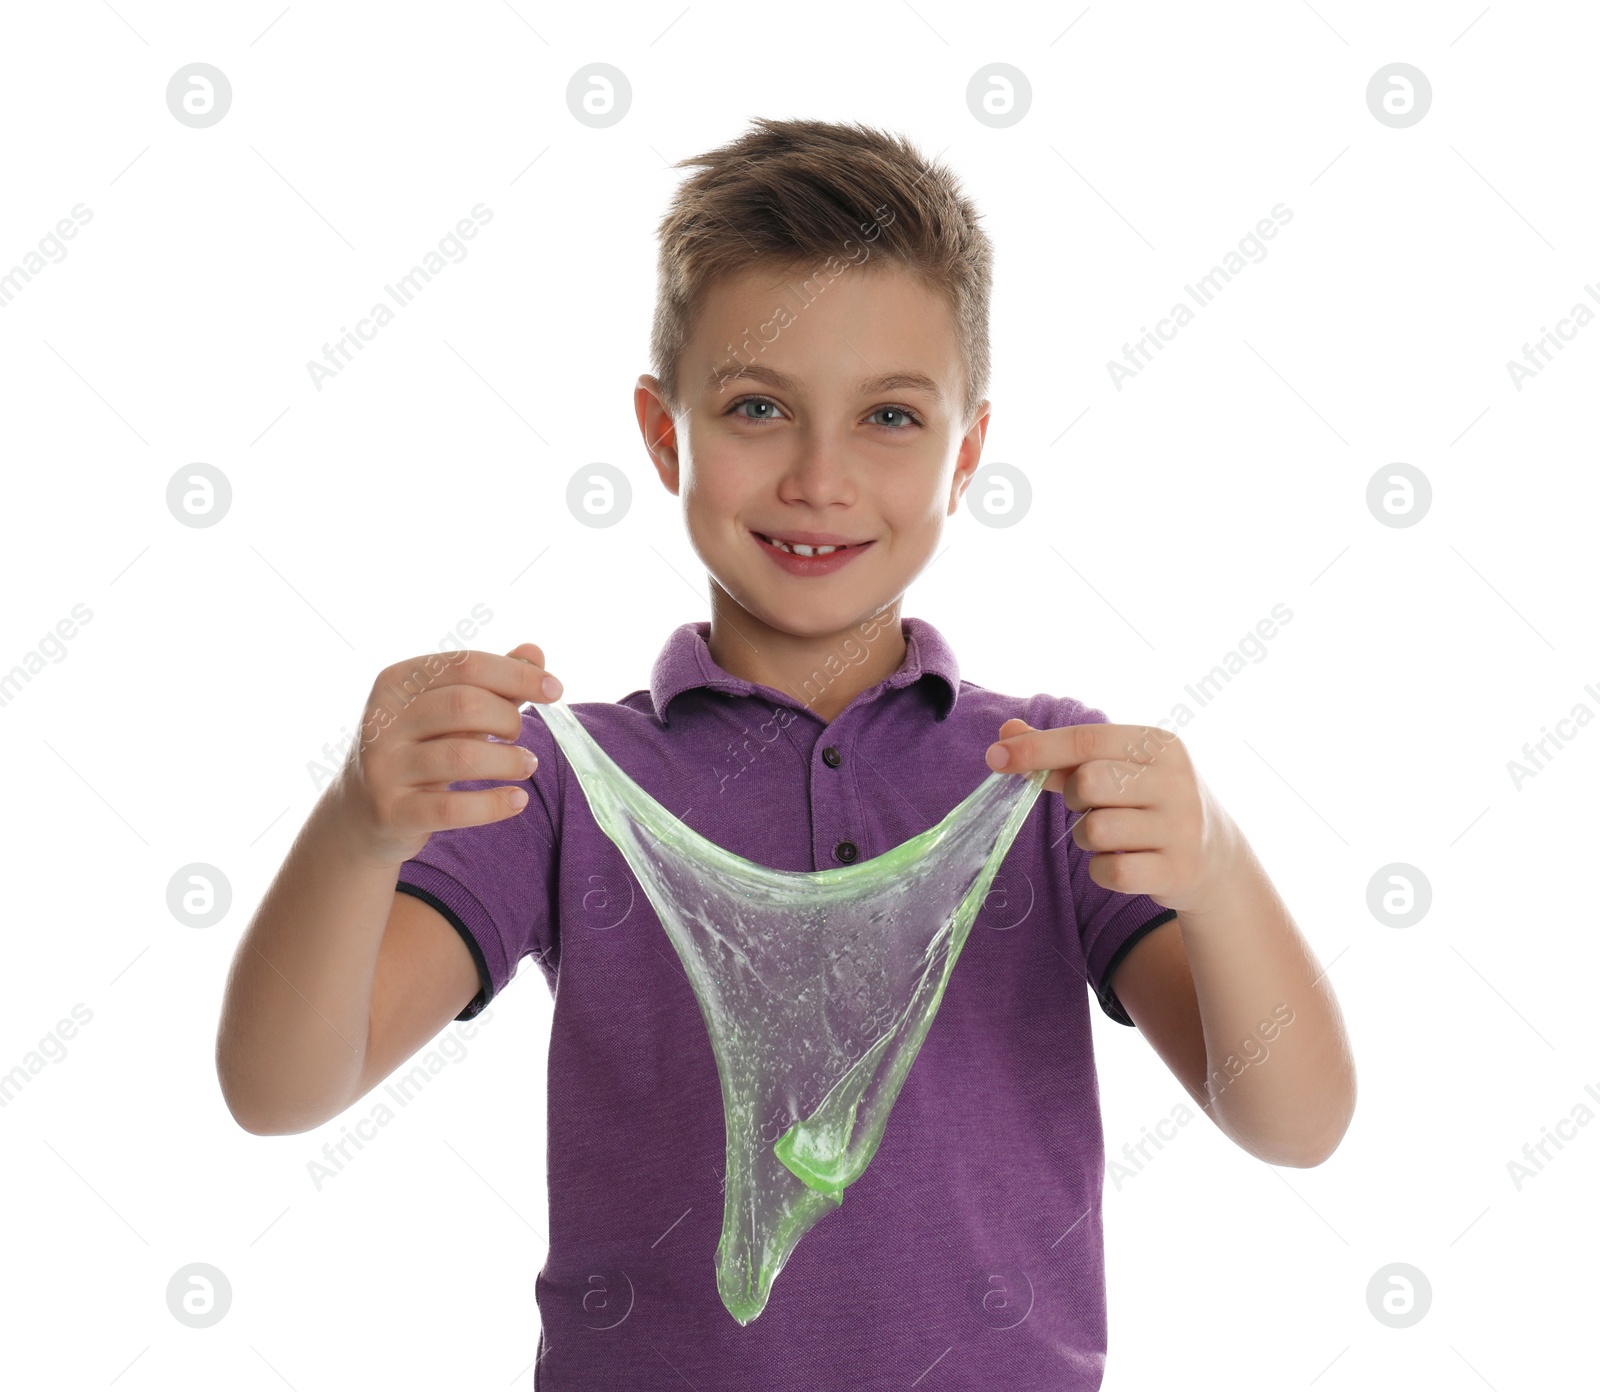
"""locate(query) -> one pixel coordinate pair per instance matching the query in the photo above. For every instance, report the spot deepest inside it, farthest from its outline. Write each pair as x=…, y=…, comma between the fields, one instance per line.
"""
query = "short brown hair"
x=786, y=193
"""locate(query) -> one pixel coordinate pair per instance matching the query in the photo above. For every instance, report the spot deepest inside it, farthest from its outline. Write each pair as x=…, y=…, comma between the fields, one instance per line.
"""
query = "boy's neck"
x=824, y=672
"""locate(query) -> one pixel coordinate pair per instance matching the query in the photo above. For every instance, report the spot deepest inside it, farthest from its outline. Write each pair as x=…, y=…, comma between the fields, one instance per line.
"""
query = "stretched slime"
x=817, y=988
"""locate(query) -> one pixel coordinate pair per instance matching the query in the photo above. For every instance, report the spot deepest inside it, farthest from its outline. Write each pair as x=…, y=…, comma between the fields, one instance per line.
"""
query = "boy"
x=821, y=356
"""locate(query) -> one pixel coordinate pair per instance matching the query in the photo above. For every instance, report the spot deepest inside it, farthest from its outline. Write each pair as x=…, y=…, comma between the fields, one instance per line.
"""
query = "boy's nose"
x=820, y=473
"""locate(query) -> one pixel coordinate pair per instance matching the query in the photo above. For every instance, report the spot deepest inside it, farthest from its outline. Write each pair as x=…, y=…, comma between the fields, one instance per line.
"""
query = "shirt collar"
x=685, y=664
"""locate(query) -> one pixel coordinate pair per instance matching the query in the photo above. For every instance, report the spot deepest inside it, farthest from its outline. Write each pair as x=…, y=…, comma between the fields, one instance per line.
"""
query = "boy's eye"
x=754, y=401
x=903, y=418
x=906, y=417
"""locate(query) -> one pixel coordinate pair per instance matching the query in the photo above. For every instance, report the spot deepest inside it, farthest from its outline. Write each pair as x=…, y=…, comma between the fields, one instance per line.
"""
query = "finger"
x=459, y=709
x=1129, y=872
x=1117, y=829
x=1008, y=729
x=516, y=676
x=437, y=763
x=533, y=655
x=1110, y=783
x=1070, y=745
x=430, y=810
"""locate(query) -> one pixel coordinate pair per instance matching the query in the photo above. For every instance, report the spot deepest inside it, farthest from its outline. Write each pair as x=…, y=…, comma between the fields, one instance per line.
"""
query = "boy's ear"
x=658, y=429
x=968, y=458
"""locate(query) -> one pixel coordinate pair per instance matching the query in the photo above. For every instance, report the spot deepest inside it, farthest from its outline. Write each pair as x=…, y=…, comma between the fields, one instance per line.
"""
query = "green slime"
x=817, y=988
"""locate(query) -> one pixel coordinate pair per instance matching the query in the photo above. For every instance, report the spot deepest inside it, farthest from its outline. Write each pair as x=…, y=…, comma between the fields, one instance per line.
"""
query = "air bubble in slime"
x=817, y=988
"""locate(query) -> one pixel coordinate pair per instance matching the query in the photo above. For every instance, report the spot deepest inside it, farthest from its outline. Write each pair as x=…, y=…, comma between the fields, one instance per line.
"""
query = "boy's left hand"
x=1140, y=796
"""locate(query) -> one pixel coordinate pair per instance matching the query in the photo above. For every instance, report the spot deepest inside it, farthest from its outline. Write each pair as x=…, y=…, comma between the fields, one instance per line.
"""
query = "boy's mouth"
x=808, y=548
x=809, y=557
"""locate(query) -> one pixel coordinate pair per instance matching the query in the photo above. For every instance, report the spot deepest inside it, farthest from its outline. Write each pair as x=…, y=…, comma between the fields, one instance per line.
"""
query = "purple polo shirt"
x=969, y=1254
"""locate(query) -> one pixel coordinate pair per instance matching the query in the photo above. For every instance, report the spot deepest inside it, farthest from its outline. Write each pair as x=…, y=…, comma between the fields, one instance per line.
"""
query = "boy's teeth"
x=800, y=549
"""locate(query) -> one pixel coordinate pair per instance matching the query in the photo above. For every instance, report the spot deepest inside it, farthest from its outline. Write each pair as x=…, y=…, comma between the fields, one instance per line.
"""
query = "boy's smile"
x=810, y=553
x=833, y=421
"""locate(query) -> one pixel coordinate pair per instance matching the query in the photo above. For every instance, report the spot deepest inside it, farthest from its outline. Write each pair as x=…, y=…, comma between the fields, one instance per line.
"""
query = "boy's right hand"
x=430, y=722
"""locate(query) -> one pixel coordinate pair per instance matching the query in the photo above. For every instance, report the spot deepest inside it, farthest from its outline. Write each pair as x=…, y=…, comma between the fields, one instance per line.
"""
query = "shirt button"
x=845, y=851
x=831, y=757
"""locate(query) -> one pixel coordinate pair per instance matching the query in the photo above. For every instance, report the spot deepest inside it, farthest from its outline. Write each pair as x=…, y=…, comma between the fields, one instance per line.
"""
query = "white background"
x=430, y=476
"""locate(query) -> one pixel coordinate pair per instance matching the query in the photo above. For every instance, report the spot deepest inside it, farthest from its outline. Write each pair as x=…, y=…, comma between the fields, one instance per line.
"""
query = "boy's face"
x=843, y=442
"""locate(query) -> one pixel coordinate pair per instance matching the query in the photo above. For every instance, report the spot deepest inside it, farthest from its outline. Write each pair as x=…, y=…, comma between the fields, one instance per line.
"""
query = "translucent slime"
x=817, y=988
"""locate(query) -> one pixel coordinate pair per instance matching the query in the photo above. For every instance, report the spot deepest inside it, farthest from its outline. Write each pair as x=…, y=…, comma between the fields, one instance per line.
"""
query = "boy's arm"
x=336, y=980
x=1228, y=992
x=1156, y=988
x=1238, y=1009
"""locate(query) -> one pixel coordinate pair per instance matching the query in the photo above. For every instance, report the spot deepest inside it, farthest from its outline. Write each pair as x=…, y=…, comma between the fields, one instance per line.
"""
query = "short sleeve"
x=1109, y=923
x=497, y=884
